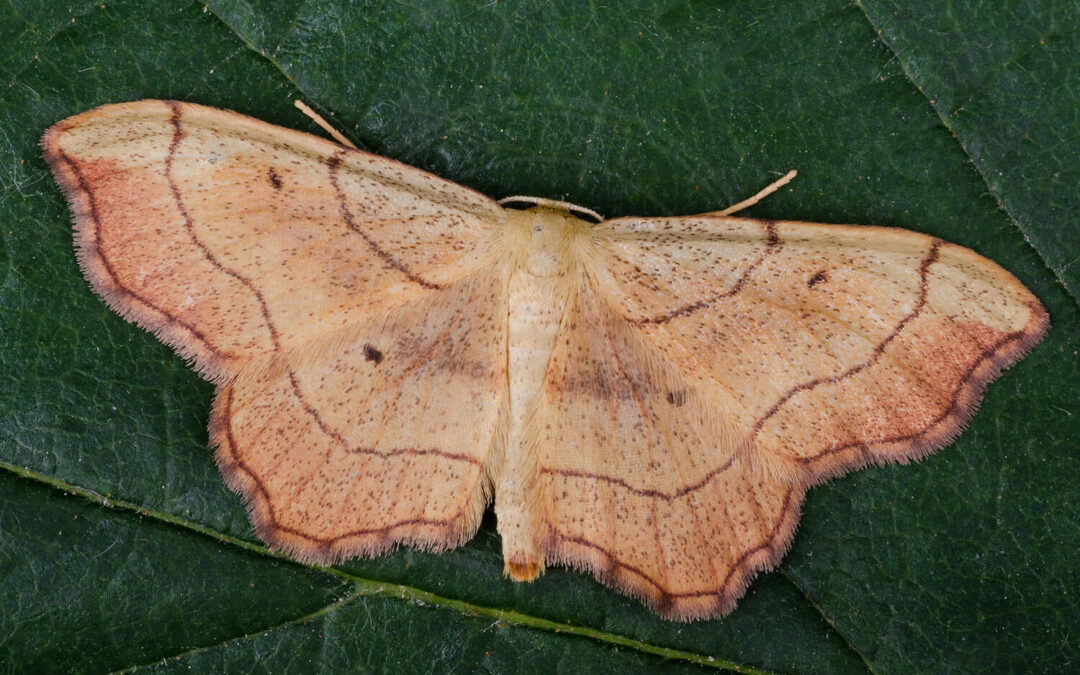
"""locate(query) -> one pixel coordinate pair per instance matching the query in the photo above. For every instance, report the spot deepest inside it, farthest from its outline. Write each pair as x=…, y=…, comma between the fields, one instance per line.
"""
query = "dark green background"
x=119, y=544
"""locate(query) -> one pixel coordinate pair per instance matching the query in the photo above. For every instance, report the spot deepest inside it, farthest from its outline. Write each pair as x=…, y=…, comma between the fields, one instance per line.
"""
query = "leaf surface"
x=966, y=561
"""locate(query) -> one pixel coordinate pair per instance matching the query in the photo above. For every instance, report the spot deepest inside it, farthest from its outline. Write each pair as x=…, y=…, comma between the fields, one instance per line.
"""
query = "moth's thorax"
x=545, y=242
x=546, y=255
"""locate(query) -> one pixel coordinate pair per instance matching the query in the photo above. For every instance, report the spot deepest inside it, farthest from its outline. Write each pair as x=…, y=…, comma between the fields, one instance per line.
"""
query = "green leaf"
x=119, y=543
x=1005, y=78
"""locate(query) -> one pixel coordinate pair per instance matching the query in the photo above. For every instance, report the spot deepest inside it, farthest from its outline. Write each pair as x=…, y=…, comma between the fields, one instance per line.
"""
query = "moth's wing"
x=829, y=347
x=342, y=301
x=716, y=367
x=387, y=434
x=639, y=477
x=230, y=238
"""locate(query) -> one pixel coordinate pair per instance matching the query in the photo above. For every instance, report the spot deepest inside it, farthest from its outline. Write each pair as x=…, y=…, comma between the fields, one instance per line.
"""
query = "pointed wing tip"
x=1038, y=327
x=967, y=398
x=208, y=364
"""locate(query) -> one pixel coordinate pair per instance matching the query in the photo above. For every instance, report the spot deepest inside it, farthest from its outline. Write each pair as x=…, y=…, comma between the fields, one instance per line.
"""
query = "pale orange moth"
x=648, y=399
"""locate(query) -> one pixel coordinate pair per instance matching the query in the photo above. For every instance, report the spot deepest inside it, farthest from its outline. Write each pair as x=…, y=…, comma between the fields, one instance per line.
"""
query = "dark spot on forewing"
x=817, y=279
x=274, y=178
x=372, y=354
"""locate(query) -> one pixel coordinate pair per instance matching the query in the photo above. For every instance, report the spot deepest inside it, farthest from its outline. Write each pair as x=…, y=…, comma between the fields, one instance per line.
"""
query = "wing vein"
x=334, y=165
x=930, y=259
x=189, y=226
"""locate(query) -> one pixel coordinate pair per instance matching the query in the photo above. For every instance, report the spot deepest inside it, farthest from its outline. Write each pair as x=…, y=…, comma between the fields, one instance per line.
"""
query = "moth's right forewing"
x=821, y=348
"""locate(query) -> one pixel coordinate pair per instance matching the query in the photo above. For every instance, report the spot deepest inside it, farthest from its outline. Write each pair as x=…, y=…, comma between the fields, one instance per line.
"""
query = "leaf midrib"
x=369, y=587
x=962, y=142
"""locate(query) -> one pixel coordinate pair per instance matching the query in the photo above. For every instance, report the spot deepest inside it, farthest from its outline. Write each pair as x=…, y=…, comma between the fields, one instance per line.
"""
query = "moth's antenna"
x=317, y=118
x=555, y=204
x=747, y=203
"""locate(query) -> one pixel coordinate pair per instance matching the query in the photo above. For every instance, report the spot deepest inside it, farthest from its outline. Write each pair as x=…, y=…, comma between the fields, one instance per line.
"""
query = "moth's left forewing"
x=350, y=308
x=231, y=238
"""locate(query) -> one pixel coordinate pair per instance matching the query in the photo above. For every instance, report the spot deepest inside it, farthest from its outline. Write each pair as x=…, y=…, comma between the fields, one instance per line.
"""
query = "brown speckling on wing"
x=650, y=398
x=653, y=497
x=231, y=238
x=341, y=454
x=346, y=305
x=881, y=357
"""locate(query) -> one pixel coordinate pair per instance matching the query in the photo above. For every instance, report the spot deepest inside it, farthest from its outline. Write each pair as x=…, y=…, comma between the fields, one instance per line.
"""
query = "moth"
x=647, y=399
